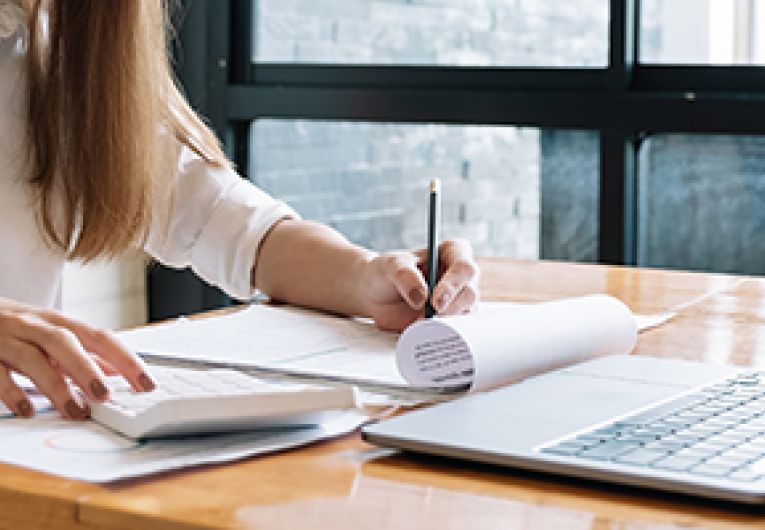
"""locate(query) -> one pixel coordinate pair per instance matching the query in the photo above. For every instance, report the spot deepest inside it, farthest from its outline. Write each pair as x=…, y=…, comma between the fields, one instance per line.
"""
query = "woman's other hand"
x=394, y=289
x=49, y=348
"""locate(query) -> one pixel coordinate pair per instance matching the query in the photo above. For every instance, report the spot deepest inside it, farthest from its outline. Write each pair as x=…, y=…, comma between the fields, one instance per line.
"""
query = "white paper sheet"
x=87, y=451
x=491, y=348
x=277, y=339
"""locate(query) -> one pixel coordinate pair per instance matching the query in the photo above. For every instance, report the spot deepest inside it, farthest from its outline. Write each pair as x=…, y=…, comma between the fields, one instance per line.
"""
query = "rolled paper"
x=487, y=349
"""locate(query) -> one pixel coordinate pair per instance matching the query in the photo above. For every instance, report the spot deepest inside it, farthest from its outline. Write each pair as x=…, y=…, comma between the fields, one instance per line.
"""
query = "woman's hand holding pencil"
x=400, y=287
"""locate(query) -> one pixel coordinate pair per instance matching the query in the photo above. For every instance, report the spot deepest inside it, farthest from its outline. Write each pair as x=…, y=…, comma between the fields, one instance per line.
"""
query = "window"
x=702, y=202
x=569, y=173
x=502, y=185
x=450, y=32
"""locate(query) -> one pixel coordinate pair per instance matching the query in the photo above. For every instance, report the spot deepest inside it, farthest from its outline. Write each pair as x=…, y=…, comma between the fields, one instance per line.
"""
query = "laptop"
x=667, y=424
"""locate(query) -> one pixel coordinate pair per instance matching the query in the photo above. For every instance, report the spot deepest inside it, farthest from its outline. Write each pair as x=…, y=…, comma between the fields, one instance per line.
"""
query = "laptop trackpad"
x=557, y=404
x=549, y=407
x=517, y=418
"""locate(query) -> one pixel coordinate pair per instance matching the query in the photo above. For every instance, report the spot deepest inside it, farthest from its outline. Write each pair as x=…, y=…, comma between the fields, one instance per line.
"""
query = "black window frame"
x=624, y=102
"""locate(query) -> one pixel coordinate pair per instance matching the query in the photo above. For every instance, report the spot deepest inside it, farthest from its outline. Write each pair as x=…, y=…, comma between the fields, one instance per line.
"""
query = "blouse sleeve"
x=213, y=221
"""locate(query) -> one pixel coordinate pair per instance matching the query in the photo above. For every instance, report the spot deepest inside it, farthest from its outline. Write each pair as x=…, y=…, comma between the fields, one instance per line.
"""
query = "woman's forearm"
x=310, y=264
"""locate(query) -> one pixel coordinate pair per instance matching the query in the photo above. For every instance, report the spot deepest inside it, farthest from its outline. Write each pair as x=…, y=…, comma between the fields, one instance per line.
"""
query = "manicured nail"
x=98, y=389
x=75, y=411
x=24, y=409
x=146, y=382
x=443, y=301
x=416, y=298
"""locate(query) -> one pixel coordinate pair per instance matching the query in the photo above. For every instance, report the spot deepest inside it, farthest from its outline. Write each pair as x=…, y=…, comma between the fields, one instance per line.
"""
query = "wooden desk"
x=348, y=484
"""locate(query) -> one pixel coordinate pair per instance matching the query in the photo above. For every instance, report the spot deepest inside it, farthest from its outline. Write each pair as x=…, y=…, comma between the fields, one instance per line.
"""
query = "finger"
x=13, y=396
x=65, y=351
x=106, y=346
x=105, y=367
x=463, y=302
x=454, y=251
x=401, y=270
x=449, y=252
x=396, y=318
x=13, y=305
x=27, y=359
x=460, y=270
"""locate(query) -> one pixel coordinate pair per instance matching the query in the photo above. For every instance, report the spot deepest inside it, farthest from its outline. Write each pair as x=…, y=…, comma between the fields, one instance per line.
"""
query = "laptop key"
x=718, y=441
x=703, y=430
x=640, y=457
x=607, y=451
x=638, y=440
x=563, y=450
x=730, y=461
x=754, y=446
x=642, y=431
x=668, y=446
x=745, y=475
x=758, y=465
x=711, y=470
x=661, y=411
x=708, y=410
x=661, y=430
x=677, y=463
x=689, y=438
x=678, y=424
x=590, y=439
x=700, y=454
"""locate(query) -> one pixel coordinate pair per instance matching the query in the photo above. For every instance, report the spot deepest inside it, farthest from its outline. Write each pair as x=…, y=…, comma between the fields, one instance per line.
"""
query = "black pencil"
x=434, y=219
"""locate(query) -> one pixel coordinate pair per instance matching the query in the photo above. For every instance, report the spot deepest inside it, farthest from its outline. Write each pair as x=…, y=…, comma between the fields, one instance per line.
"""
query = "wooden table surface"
x=347, y=483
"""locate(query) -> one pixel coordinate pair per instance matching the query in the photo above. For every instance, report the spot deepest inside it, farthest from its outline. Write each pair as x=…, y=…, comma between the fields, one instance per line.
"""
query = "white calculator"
x=188, y=402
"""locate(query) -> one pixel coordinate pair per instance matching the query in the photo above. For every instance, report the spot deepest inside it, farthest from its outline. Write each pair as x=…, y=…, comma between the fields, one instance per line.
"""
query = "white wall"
x=109, y=295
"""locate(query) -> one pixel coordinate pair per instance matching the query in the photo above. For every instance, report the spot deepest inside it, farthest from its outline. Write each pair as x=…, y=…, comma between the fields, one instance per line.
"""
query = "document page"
x=84, y=450
x=279, y=339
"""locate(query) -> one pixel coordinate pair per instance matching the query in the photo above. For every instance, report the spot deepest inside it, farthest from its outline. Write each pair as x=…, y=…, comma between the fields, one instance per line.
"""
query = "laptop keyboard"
x=718, y=431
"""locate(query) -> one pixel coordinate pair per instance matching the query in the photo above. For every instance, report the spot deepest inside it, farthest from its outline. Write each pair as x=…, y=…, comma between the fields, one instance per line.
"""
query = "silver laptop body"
x=680, y=426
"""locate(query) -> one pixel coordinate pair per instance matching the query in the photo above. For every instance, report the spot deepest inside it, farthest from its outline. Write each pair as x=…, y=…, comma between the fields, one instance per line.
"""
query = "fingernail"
x=443, y=301
x=24, y=409
x=146, y=382
x=416, y=298
x=75, y=411
x=98, y=389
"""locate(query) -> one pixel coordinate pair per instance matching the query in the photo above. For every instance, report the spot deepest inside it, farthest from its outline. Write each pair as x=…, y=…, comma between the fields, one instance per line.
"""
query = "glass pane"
x=570, y=170
x=369, y=180
x=702, y=203
x=448, y=32
x=703, y=31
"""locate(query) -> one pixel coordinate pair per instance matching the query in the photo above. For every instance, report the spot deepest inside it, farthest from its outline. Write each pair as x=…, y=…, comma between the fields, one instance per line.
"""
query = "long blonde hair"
x=100, y=92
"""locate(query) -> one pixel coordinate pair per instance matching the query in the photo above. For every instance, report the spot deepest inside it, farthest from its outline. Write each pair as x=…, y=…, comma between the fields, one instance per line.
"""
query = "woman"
x=99, y=153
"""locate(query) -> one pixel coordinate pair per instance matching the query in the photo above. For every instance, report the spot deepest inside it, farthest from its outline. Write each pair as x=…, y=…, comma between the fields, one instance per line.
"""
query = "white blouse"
x=216, y=223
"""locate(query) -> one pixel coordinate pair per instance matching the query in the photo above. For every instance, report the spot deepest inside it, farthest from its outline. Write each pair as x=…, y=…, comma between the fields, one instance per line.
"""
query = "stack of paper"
x=497, y=344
